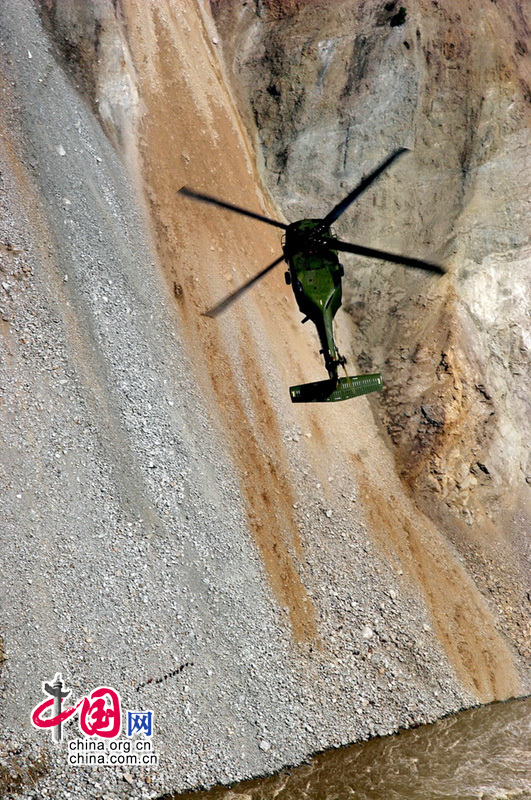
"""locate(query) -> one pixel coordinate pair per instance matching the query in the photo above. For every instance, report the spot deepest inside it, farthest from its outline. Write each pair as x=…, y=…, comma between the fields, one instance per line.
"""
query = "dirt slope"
x=254, y=433
x=165, y=503
x=330, y=89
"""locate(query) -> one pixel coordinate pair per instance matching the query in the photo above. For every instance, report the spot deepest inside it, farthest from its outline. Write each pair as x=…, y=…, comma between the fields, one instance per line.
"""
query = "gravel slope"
x=126, y=543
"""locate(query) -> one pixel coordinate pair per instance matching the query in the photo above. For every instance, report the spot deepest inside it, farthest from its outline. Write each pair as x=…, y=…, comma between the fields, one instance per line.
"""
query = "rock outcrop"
x=331, y=88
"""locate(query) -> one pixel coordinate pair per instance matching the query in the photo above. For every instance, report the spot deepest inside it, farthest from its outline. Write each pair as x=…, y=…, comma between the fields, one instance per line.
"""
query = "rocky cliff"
x=329, y=89
x=264, y=577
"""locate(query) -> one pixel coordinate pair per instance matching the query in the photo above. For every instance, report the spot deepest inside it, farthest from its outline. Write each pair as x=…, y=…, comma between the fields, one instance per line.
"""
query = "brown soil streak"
x=462, y=622
x=190, y=135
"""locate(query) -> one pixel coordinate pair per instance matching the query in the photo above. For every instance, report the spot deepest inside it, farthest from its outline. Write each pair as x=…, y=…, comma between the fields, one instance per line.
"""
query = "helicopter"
x=310, y=248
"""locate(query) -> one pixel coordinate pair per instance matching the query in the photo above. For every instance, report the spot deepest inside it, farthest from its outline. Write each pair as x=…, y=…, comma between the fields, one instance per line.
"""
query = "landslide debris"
x=331, y=88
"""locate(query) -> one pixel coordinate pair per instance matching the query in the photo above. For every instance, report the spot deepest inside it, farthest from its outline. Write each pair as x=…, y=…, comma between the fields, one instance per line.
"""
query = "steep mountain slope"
x=164, y=502
x=331, y=88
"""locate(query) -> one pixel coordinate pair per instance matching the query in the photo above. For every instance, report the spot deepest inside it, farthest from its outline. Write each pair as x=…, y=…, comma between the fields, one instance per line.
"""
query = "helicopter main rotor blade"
x=206, y=198
x=370, y=252
x=365, y=183
x=213, y=312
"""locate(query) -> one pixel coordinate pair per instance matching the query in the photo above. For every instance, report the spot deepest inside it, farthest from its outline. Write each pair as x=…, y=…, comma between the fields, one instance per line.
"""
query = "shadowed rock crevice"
x=75, y=32
x=88, y=40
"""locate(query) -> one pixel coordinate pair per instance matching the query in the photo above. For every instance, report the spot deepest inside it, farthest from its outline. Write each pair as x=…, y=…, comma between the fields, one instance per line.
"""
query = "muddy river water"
x=483, y=753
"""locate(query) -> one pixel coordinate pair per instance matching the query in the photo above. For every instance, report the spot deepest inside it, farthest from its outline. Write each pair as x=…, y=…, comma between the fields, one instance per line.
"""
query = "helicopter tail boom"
x=331, y=391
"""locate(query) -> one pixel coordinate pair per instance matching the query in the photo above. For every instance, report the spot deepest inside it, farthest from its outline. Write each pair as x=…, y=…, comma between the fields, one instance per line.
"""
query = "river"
x=479, y=754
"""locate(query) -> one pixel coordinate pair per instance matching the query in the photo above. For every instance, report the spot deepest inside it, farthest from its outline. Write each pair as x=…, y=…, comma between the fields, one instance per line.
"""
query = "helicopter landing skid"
x=331, y=391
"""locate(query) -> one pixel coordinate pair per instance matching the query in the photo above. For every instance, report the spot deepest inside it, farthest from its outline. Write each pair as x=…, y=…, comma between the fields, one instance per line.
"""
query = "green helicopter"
x=310, y=249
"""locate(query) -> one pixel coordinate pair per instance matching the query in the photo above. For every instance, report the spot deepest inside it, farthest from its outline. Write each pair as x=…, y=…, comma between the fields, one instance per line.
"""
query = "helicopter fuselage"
x=310, y=249
x=315, y=275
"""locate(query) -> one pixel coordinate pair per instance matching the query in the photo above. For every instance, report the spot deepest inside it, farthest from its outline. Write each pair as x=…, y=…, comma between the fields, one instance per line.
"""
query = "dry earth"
x=164, y=502
x=329, y=89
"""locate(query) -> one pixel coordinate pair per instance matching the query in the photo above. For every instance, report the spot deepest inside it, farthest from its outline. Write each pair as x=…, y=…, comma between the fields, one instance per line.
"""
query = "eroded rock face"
x=89, y=39
x=152, y=454
x=333, y=88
